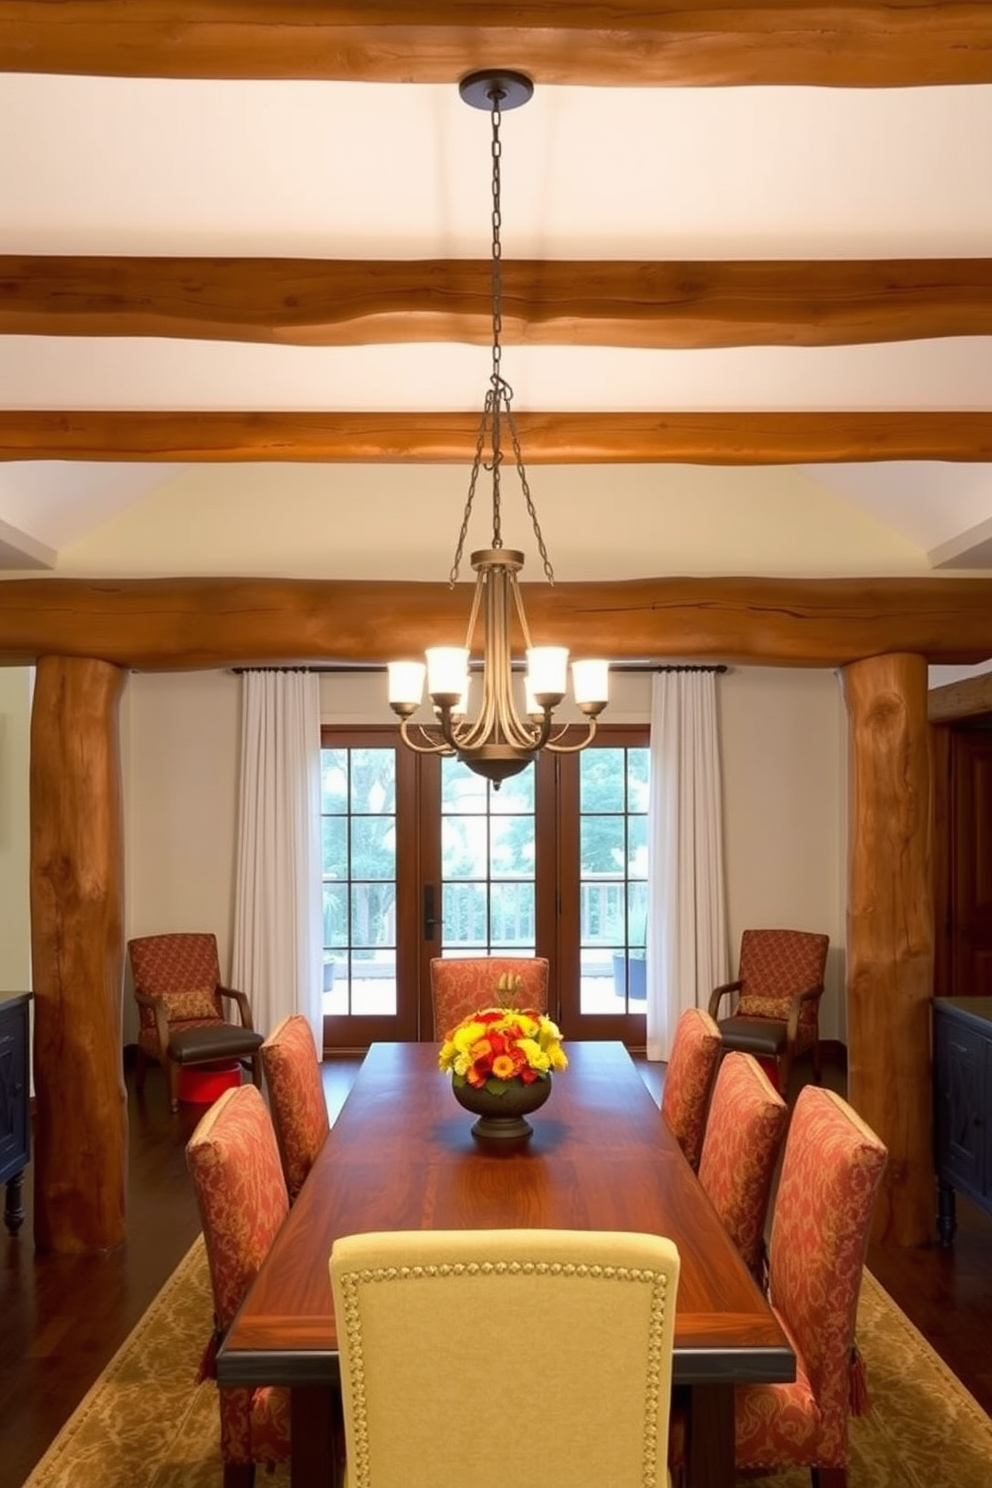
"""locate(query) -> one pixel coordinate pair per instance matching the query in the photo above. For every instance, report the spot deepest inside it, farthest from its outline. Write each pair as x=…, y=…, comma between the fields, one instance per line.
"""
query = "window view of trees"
x=487, y=862
x=358, y=838
x=423, y=857
x=613, y=868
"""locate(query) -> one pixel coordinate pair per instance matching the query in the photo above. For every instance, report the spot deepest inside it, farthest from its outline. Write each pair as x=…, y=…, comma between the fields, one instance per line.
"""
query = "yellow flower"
x=537, y=1058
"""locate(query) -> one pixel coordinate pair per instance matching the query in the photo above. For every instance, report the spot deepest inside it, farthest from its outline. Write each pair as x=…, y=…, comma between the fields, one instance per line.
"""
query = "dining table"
x=401, y=1156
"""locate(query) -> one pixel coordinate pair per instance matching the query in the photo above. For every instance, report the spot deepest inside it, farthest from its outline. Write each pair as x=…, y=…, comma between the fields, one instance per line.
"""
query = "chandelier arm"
x=431, y=747
x=515, y=731
x=591, y=728
x=519, y=602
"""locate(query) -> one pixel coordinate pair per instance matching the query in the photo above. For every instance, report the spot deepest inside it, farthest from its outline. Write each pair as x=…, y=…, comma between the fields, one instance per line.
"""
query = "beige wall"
x=784, y=797
x=784, y=737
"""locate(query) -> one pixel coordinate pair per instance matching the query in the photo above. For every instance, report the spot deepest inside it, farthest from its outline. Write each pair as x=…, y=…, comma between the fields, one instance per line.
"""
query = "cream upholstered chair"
x=296, y=1097
x=463, y=985
x=181, y=1008
x=779, y=985
x=241, y=1195
x=831, y=1174
x=505, y=1356
x=744, y=1130
x=685, y=1096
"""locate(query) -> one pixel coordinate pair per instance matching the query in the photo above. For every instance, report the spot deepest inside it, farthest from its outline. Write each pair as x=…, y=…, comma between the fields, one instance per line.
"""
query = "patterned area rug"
x=146, y=1424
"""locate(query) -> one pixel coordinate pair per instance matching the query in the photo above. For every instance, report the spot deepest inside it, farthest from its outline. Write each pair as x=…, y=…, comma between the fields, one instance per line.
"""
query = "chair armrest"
x=145, y=999
x=719, y=993
x=244, y=1007
x=810, y=994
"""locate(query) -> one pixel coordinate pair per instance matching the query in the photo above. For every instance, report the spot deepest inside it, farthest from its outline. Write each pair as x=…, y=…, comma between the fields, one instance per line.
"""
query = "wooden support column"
x=77, y=950
x=890, y=931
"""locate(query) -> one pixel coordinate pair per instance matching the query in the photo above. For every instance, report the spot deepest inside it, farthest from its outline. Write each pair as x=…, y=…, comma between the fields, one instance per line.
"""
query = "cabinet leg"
x=946, y=1214
x=13, y=1209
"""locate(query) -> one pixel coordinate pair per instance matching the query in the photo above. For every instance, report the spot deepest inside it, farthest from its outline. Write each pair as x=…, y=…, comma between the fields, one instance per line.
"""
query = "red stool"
x=201, y=1084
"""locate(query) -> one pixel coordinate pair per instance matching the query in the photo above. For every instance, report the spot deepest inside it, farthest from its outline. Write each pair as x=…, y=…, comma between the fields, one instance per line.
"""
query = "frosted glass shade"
x=591, y=681
x=447, y=670
x=406, y=682
x=547, y=671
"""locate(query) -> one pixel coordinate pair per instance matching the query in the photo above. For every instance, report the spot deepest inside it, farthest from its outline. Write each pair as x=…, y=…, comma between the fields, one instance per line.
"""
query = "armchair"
x=181, y=1009
x=780, y=983
x=463, y=985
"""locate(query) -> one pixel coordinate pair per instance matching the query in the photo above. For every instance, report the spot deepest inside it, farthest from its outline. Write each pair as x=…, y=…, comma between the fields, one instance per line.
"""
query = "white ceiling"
x=315, y=169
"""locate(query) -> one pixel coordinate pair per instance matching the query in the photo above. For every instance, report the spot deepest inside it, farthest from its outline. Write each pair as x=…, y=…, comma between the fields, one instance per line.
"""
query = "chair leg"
x=140, y=1069
x=172, y=1079
x=256, y=1070
x=817, y=1063
x=829, y=1477
x=239, y=1475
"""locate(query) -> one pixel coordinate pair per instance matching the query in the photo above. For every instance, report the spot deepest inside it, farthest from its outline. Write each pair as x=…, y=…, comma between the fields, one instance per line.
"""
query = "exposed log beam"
x=695, y=42
x=348, y=302
x=189, y=624
x=889, y=948
x=547, y=438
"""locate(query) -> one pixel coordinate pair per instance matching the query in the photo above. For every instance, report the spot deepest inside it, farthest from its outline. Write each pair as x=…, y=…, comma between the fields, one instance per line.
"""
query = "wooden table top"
x=401, y=1156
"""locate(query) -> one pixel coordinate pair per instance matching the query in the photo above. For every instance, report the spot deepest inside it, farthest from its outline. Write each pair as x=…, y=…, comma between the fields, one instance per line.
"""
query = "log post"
x=890, y=930
x=77, y=952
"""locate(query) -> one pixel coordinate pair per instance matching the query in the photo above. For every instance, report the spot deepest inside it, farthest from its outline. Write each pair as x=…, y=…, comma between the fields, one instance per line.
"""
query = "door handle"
x=431, y=920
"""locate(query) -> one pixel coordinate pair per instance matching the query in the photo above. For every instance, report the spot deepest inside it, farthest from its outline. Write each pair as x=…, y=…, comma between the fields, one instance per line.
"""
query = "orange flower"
x=505, y=1066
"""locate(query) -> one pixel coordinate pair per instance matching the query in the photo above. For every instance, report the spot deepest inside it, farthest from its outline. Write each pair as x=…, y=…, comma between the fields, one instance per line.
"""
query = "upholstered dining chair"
x=689, y=1076
x=296, y=1097
x=745, y=1126
x=181, y=1009
x=241, y=1195
x=779, y=985
x=463, y=985
x=419, y=1314
x=830, y=1178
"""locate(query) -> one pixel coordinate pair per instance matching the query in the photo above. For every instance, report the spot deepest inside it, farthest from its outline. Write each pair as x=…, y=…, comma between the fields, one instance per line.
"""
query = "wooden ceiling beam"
x=196, y=623
x=696, y=42
x=681, y=305
x=732, y=438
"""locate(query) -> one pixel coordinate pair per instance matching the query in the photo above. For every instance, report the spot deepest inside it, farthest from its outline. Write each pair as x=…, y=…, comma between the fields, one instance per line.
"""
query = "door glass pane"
x=487, y=863
x=358, y=834
x=613, y=843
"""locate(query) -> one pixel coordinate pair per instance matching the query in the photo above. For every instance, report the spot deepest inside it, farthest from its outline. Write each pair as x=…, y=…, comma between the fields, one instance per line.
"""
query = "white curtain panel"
x=687, y=925
x=278, y=938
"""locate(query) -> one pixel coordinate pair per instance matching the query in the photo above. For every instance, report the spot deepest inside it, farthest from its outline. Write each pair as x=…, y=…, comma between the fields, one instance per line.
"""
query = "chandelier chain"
x=498, y=385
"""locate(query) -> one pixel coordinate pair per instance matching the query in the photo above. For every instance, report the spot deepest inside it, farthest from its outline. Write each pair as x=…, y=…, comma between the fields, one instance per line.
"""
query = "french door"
x=423, y=858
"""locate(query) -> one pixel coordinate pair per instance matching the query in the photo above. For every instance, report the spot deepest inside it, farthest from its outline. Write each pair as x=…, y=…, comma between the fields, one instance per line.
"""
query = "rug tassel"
x=859, y=1401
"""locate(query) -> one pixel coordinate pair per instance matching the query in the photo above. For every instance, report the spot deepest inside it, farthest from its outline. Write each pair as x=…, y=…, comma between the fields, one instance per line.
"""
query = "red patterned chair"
x=685, y=1096
x=780, y=983
x=296, y=1097
x=460, y=986
x=744, y=1131
x=831, y=1174
x=241, y=1194
x=181, y=1009
x=415, y=1377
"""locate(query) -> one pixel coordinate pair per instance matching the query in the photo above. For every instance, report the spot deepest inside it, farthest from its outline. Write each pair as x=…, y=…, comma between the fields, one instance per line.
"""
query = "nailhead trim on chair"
x=359, y=1468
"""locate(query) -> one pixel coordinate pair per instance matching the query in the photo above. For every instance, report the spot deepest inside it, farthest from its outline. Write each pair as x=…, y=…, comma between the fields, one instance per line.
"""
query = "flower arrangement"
x=500, y=1047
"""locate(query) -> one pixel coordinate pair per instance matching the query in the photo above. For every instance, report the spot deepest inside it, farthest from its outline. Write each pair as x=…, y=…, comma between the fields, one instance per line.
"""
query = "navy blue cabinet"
x=962, y=1105
x=15, y=1116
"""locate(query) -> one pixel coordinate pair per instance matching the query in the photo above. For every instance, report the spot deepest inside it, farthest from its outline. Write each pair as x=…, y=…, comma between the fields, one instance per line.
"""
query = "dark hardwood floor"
x=64, y=1317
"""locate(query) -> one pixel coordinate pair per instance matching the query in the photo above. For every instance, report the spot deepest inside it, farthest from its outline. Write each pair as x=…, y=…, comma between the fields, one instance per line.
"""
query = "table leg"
x=317, y=1449
x=711, y=1437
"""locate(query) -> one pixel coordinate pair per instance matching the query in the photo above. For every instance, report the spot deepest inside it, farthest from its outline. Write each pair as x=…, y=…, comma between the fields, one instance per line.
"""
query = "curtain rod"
x=360, y=668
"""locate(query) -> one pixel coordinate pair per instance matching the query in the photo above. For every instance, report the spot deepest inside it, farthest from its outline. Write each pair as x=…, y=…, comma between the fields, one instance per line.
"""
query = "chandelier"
x=500, y=740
